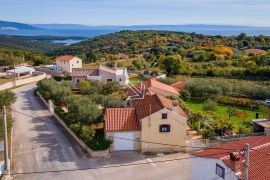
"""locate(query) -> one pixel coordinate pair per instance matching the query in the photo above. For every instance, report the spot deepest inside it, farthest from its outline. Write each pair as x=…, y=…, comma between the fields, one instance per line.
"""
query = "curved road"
x=41, y=147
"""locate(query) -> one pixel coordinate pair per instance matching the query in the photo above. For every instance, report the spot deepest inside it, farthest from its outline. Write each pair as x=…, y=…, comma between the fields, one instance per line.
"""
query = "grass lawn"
x=4, y=80
x=222, y=112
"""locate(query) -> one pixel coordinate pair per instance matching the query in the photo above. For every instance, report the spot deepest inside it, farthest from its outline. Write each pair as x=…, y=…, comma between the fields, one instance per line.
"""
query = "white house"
x=101, y=73
x=227, y=161
x=67, y=63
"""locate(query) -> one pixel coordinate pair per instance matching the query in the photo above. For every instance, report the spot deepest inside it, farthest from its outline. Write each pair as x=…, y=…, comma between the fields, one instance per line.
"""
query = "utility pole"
x=246, y=161
x=7, y=166
x=14, y=72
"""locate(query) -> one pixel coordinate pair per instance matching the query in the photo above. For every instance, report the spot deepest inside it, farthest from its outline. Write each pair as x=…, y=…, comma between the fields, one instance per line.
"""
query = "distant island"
x=15, y=28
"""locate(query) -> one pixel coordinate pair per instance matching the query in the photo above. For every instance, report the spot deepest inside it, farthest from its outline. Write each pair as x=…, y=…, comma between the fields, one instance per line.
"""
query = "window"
x=120, y=79
x=164, y=128
x=77, y=62
x=109, y=79
x=220, y=171
x=164, y=116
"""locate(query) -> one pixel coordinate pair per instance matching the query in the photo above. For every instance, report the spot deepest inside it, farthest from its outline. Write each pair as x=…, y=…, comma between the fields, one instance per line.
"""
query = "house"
x=261, y=125
x=255, y=51
x=152, y=123
x=20, y=71
x=227, y=161
x=101, y=73
x=151, y=87
x=67, y=63
x=179, y=85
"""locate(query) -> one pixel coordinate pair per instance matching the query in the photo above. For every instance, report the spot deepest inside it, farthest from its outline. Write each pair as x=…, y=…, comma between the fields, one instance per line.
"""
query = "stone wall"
x=39, y=76
x=94, y=154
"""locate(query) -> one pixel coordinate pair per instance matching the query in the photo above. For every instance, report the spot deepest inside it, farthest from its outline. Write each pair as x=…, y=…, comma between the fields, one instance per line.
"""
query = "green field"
x=222, y=112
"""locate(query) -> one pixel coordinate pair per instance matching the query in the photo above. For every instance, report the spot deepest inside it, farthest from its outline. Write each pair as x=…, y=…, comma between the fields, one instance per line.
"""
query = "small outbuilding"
x=21, y=71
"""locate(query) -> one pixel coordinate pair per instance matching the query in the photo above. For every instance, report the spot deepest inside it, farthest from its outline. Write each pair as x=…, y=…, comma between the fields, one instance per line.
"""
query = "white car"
x=267, y=101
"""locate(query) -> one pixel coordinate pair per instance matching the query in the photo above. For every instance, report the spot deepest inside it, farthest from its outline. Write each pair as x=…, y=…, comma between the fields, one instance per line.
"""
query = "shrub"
x=76, y=128
x=110, y=87
x=208, y=134
x=99, y=144
x=87, y=133
x=185, y=95
x=209, y=105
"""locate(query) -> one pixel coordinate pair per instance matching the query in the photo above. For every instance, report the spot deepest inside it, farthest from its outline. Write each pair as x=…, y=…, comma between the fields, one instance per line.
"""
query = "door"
x=122, y=144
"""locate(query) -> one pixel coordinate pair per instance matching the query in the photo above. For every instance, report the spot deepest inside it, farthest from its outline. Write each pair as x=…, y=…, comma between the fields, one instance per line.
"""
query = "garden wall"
x=94, y=154
x=39, y=76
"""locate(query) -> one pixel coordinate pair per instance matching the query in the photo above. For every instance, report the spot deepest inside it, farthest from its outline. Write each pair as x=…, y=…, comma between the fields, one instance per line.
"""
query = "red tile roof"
x=151, y=104
x=259, y=156
x=179, y=85
x=256, y=51
x=121, y=119
x=65, y=58
x=84, y=72
x=148, y=84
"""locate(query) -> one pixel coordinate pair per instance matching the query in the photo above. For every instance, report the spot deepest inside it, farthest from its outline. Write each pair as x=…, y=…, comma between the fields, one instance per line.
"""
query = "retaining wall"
x=95, y=154
x=39, y=76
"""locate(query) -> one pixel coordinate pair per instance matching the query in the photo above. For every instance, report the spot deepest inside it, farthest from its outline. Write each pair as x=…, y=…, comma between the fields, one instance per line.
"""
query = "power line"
x=113, y=166
x=150, y=142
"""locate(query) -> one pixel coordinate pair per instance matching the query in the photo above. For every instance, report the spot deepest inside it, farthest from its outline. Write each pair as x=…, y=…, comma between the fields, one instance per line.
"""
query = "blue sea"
x=206, y=30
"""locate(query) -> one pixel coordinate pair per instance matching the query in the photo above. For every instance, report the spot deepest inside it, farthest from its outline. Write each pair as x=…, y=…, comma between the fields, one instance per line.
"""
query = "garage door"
x=121, y=144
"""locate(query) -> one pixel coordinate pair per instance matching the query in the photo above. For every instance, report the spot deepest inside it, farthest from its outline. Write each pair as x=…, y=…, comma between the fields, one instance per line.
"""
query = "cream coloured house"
x=67, y=63
x=152, y=123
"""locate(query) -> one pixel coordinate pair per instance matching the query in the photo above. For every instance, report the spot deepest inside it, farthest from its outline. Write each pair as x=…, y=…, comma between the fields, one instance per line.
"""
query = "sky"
x=138, y=12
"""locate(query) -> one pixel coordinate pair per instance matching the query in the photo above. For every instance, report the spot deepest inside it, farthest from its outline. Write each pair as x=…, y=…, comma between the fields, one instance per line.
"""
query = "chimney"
x=174, y=105
x=115, y=65
x=235, y=160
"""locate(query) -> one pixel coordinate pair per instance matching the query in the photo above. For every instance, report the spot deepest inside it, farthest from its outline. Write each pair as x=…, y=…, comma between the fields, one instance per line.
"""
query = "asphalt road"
x=42, y=150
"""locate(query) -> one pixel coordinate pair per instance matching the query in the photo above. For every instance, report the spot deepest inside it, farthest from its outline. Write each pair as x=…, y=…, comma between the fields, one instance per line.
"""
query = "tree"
x=173, y=65
x=231, y=112
x=7, y=98
x=209, y=105
x=184, y=94
x=138, y=64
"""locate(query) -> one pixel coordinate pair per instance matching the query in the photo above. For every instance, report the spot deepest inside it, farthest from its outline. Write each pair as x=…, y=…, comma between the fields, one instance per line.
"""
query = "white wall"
x=67, y=66
x=205, y=169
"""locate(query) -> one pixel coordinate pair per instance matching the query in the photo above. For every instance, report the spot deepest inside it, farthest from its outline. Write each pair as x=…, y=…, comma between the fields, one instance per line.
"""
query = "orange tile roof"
x=65, y=58
x=151, y=83
x=256, y=51
x=154, y=103
x=259, y=156
x=121, y=119
x=179, y=85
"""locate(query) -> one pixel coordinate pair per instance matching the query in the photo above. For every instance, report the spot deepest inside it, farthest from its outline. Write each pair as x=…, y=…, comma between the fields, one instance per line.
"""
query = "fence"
x=239, y=136
x=38, y=76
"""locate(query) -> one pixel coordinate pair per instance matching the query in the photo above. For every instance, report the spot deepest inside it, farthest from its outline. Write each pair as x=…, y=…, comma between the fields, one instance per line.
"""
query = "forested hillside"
x=9, y=56
x=198, y=55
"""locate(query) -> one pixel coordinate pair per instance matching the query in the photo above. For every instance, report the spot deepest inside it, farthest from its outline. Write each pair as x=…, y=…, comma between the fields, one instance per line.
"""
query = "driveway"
x=42, y=150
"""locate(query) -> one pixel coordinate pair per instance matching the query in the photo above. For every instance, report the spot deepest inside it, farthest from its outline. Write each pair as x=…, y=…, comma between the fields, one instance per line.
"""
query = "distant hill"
x=14, y=28
x=157, y=43
x=7, y=25
x=62, y=26
x=40, y=44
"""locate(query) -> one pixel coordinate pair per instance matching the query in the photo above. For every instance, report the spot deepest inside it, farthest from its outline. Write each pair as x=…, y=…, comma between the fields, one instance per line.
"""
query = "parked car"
x=267, y=101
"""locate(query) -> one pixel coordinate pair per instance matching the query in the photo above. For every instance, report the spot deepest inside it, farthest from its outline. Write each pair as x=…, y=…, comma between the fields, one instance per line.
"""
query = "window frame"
x=164, y=114
x=167, y=126
x=222, y=170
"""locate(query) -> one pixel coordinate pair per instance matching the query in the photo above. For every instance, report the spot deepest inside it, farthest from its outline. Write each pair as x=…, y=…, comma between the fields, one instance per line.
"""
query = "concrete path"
x=42, y=150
